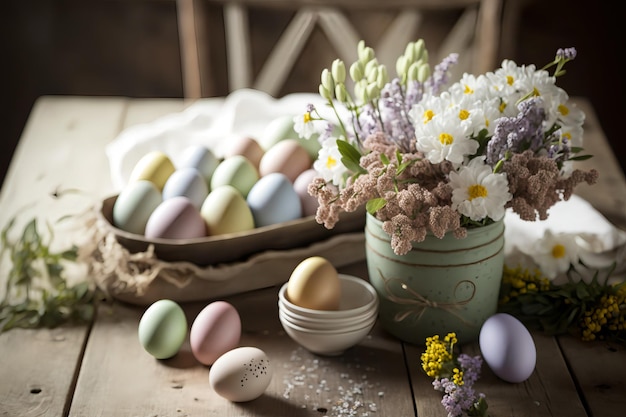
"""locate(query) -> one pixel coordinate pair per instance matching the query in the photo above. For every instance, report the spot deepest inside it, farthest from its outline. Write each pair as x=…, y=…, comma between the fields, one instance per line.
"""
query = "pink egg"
x=248, y=147
x=287, y=157
x=215, y=331
x=176, y=218
x=301, y=185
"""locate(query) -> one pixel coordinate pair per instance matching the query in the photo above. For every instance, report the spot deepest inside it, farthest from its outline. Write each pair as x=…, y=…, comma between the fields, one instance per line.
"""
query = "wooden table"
x=101, y=370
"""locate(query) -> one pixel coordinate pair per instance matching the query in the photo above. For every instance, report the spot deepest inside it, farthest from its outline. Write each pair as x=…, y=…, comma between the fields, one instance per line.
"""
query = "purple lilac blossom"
x=567, y=53
x=440, y=75
x=395, y=118
x=519, y=133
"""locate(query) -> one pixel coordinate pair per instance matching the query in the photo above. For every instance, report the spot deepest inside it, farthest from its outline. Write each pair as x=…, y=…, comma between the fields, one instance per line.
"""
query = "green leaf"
x=375, y=204
x=580, y=158
x=350, y=156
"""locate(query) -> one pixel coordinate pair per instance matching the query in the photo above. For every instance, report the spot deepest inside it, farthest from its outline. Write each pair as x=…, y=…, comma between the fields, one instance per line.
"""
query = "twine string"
x=419, y=304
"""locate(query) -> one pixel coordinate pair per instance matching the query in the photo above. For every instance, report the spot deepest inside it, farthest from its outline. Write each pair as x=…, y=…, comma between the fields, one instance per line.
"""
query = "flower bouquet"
x=426, y=157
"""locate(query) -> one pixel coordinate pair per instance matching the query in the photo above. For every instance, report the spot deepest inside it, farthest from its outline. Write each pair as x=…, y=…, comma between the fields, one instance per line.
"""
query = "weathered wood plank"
x=37, y=370
x=38, y=367
x=600, y=370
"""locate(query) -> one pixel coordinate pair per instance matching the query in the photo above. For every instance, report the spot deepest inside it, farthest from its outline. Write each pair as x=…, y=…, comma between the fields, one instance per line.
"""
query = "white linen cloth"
x=248, y=112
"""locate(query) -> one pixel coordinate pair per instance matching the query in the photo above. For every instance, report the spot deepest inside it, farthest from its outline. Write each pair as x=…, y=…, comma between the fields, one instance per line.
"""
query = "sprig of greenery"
x=37, y=293
x=590, y=310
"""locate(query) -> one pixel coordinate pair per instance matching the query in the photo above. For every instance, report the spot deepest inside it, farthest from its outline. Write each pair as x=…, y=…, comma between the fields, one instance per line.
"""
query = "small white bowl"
x=357, y=297
x=329, y=326
x=326, y=343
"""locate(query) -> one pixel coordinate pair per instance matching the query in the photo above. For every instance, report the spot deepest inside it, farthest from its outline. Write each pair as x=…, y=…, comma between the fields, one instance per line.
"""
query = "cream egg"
x=154, y=166
x=236, y=171
x=134, y=205
x=314, y=284
x=162, y=329
x=273, y=200
x=226, y=211
x=242, y=374
x=247, y=147
x=186, y=182
x=287, y=157
x=508, y=348
x=176, y=218
x=215, y=331
x=301, y=185
x=201, y=158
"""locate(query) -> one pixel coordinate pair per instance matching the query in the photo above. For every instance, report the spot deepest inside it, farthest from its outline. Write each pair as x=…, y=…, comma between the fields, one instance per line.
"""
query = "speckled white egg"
x=273, y=200
x=162, y=329
x=508, y=348
x=242, y=374
x=186, y=182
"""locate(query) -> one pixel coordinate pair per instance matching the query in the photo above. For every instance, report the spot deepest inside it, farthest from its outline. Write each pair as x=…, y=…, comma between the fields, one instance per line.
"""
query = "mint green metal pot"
x=440, y=286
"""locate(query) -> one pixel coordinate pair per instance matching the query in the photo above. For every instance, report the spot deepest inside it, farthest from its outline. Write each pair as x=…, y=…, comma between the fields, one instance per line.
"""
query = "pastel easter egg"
x=507, y=347
x=162, y=329
x=176, y=218
x=314, y=284
x=281, y=128
x=273, y=200
x=301, y=185
x=242, y=374
x=154, y=166
x=186, y=182
x=236, y=171
x=287, y=157
x=245, y=146
x=226, y=211
x=201, y=158
x=134, y=205
x=215, y=331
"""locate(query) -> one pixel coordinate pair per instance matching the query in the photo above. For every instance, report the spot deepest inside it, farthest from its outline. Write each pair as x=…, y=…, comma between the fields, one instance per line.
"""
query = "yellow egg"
x=225, y=211
x=155, y=167
x=315, y=284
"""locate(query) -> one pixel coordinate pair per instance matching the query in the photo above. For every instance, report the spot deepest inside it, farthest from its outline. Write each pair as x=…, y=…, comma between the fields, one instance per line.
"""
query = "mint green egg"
x=134, y=205
x=281, y=128
x=163, y=329
x=236, y=171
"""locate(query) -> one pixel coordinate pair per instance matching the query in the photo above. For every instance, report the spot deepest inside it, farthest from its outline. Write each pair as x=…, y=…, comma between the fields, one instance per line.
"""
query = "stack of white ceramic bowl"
x=331, y=332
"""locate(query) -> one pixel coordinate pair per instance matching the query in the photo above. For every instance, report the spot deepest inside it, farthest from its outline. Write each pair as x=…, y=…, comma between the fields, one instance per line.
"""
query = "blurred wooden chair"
x=218, y=38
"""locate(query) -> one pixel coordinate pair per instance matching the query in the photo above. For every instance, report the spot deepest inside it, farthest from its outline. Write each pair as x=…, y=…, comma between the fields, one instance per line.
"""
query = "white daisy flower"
x=554, y=253
x=477, y=192
x=429, y=107
x=444, y=138
x=571, y=120
x=303, y=125
x=328, y=163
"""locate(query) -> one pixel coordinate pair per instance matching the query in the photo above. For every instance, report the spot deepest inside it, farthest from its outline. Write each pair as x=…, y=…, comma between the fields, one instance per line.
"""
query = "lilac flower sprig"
x=454, y=375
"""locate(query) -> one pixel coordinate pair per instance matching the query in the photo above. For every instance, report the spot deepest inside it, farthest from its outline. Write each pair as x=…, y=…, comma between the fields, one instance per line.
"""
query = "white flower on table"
x=554, y=253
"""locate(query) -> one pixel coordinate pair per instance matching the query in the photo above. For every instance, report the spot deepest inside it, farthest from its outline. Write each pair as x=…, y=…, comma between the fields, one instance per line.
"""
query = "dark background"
x=131, y=48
